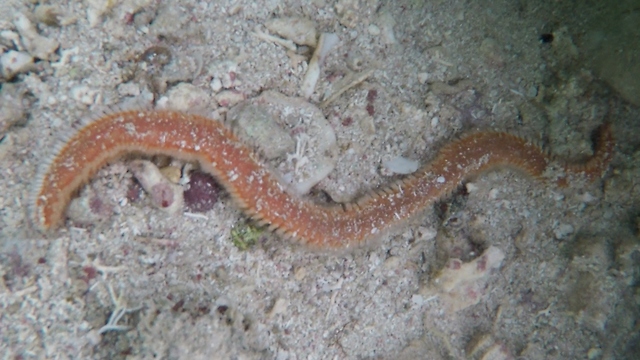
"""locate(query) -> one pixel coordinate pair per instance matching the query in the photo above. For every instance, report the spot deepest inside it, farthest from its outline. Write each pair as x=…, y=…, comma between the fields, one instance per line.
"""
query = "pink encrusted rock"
x=202, y=193
x=187, y=97
x=461, y=285
x=89, y=208
x=228, y=98
x=162, y=195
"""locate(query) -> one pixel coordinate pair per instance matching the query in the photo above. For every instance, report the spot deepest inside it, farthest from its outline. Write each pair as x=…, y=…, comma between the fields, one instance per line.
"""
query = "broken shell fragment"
x=172, y=173
x=299, y=30
x=326, y=43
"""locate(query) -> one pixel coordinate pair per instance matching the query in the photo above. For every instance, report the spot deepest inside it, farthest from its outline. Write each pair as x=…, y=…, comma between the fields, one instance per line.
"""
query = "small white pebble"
x=373, y=30
x=387, y=22
x=374, y=259
x=563, y=230
x=417, y=299
x=441, y=179
x=216, y=84
x=594, y=353
x=83, y=94
x=588, y=198
x=427, y=233
x=392, y=263
x=401, y=165
x=128, y=89
x=435, y=121
x=493, y=194
x=14, y=62
x=93, y=337
x=300, y=273
x=163, y=103
x=279, y=307
x=471, y=187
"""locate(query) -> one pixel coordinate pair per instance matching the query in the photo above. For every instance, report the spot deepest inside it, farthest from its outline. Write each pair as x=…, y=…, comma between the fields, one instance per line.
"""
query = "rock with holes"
x=460, y=285
x=292, y=131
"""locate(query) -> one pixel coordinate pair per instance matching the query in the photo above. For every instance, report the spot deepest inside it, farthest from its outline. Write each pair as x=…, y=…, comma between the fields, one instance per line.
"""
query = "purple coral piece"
x=202, y=193
x=134, y=192
x=98, y=206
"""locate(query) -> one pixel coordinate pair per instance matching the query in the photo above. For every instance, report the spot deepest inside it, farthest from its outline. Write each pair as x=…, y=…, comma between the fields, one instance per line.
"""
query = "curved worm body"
x=258, y=192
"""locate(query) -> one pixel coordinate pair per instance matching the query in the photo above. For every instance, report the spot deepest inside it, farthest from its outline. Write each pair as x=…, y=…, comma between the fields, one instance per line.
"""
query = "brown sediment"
x=258, y=192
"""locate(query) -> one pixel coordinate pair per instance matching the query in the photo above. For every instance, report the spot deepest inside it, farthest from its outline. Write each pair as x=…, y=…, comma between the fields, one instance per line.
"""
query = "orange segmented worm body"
x=258, y=192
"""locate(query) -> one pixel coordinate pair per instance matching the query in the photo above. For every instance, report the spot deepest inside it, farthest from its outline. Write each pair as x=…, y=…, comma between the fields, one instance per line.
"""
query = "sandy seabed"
x=126, y=280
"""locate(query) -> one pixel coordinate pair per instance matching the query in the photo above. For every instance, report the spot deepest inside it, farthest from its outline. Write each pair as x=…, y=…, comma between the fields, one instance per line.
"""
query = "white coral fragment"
x=37, y=45
x=121, y=309
x=164, y=194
